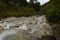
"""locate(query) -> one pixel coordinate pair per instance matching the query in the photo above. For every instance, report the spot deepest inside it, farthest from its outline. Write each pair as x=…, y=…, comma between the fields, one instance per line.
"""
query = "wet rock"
x=1, y=27
x=48, y=37
x=19, y=23
x=56, y=32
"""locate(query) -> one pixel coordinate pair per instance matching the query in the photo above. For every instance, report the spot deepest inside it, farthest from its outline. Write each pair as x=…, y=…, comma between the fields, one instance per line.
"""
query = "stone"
x=48, y=37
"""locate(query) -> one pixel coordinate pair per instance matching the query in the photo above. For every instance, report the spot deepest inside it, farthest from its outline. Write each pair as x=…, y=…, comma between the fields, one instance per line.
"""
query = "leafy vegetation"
x=17, y=8
x=9, y=8
x=52, y=11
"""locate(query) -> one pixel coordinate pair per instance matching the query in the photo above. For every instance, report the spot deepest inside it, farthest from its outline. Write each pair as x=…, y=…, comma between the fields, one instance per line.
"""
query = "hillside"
x=52, y=11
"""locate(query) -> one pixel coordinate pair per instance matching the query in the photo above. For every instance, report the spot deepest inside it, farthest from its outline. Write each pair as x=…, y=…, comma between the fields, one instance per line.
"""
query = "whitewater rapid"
x=6, y=33
x=30, y=24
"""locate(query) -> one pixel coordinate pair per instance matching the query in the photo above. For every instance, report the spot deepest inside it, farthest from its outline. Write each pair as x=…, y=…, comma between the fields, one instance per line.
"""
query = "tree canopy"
x=11, y=7
x=52, y=11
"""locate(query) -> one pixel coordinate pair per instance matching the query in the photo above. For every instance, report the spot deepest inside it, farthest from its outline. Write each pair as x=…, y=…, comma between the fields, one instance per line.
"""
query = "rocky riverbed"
x=24, y=28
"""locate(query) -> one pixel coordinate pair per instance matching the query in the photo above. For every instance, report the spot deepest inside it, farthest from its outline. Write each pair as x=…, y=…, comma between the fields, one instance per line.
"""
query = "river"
x=33, y=25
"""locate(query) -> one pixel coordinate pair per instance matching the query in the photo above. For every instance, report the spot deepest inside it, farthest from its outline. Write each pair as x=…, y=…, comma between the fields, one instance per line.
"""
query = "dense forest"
x=18, y=8
x=9, y=8
x=52, y=11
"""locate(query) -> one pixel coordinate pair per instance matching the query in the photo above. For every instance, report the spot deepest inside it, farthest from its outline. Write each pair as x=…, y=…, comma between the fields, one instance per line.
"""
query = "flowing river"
x=33, y=25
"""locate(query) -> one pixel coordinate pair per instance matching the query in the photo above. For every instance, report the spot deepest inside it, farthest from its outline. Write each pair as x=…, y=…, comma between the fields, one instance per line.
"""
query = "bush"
x=52, y=11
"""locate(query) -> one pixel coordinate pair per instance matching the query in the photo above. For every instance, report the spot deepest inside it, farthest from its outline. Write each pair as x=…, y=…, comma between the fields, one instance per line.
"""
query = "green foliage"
x=35, y=5
x=23, y=11
x=17, y=8
x=52, y=11
x=56, y=31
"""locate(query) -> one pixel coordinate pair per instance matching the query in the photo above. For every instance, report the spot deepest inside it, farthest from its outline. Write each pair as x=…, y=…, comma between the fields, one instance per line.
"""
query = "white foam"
x=4, y=34
x=23, y=27
x=41, y=25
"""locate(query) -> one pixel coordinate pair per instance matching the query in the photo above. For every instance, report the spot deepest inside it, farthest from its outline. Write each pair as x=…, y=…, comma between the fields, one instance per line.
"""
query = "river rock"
x=48, y=37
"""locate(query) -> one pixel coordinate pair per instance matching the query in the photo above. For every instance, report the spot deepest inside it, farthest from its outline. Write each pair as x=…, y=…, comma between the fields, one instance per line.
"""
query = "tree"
x=51, y=9
x=34, y=4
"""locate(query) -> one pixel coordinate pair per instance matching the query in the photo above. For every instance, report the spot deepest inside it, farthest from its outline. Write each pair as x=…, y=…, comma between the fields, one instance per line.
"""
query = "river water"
x=35, y=24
